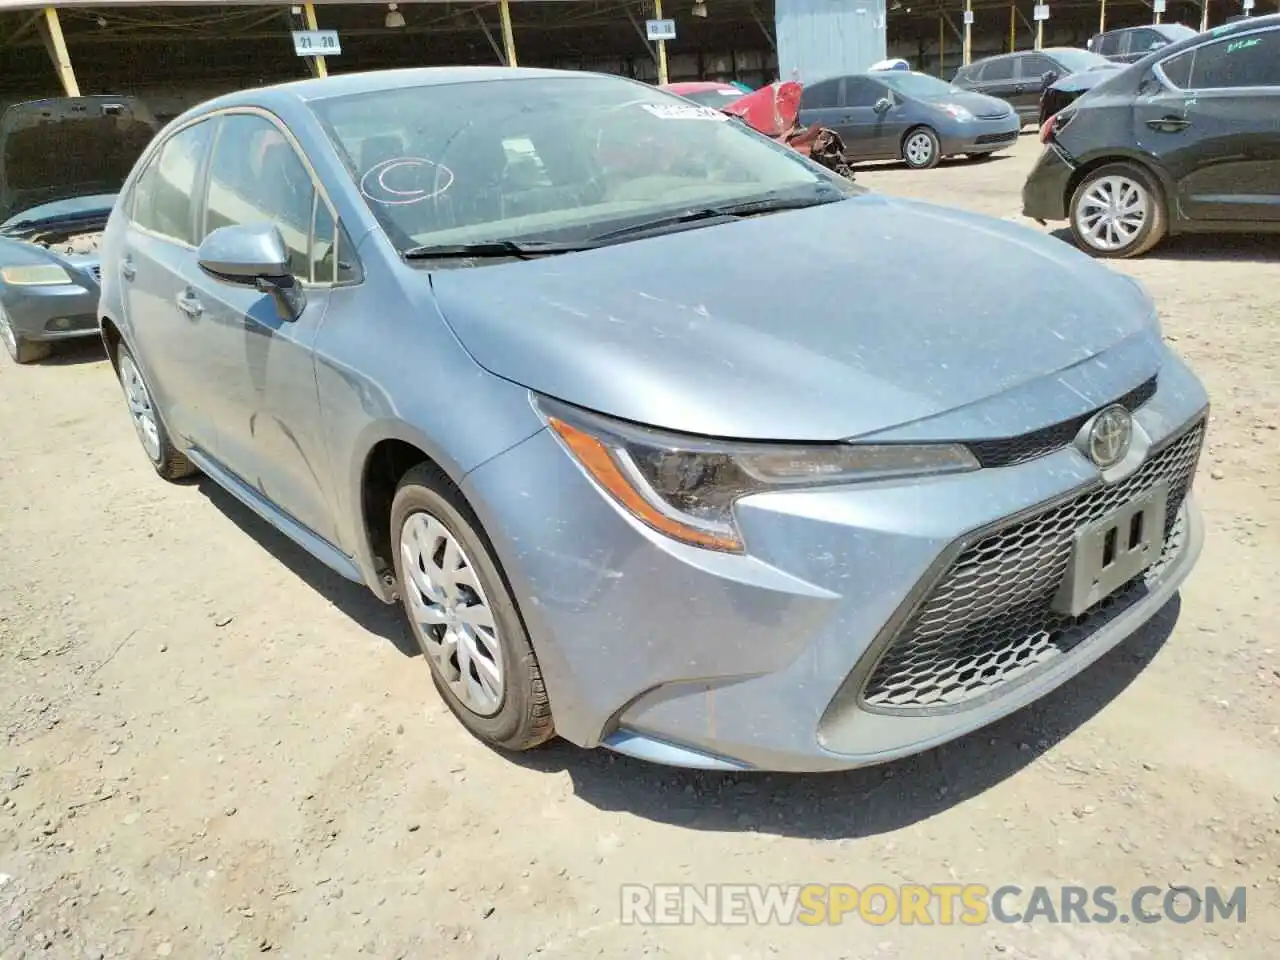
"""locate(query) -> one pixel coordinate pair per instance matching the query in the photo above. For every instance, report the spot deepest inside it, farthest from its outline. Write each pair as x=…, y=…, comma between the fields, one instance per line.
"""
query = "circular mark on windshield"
x=401, y=180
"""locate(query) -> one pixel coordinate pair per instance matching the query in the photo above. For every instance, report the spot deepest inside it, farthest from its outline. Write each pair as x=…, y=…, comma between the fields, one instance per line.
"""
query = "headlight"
x=959, y=112
x=686, y=486
x=35, y=275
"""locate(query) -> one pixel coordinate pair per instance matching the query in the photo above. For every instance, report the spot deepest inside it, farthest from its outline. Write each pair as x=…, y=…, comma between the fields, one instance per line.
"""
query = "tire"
x=922, y=144
x=1128, y=235
x=456, y=571
x=167, y=460
x=21, y=350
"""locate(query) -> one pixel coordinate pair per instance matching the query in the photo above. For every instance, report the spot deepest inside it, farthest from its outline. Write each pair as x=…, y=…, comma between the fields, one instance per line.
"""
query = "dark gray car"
x=1020, y=78
x=914, y=117
x=1131, y=44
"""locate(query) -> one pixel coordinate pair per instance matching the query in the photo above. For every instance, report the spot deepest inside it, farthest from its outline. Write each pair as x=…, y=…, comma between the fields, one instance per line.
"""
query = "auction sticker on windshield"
x=683, y=111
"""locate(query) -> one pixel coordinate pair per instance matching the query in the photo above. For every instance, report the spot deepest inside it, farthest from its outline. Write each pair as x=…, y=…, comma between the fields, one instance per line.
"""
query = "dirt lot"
x=212, y=747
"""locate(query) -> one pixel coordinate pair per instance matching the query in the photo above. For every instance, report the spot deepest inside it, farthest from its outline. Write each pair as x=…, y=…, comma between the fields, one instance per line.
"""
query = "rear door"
x=157, y=257
x=820, y=104
x=999, y=79
x=1215, y=126
x=1032, y=68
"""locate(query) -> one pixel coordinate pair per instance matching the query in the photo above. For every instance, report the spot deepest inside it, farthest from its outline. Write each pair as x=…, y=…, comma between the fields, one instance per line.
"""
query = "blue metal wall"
x=825, y=38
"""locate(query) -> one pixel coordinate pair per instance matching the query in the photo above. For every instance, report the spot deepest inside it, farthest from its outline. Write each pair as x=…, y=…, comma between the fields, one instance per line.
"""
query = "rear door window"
x=163, y=196
x=1249, y=61
x=1108, y=44
x=1143, y=40
x=1034, y=66
x=1001, y=69
x=821, y=95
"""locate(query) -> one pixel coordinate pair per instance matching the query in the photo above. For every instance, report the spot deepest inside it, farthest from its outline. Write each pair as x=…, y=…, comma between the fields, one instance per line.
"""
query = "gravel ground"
x=212, y=747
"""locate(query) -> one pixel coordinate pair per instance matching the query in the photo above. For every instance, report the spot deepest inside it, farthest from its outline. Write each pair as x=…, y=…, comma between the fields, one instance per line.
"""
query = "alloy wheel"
x=140, y=408
x=1112, y=211
x=919, y=149
x=454, y=621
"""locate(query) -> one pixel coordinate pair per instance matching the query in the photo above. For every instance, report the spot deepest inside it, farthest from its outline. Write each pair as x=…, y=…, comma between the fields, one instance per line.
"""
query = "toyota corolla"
x=632, y=486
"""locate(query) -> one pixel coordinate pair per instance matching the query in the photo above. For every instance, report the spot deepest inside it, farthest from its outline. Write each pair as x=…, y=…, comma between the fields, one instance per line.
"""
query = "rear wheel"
x=1118, y=211
x=19, y=349
x=167, y=460
x=464, y=617
x=921, y=149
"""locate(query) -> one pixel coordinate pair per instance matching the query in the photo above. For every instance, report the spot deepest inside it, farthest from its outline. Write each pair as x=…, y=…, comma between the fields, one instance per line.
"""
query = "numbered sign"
x=660, y=29
x=1042, y=11
x=968, y=17
x=316, y=43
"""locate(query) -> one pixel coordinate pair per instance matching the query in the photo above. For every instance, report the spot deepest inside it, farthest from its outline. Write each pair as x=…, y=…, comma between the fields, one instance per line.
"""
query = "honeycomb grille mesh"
x=1009, y=451
x=989, y=620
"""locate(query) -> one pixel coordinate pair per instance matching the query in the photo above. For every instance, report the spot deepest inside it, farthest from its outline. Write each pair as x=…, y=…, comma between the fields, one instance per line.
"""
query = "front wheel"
x=464, y=617
x=921, y=149
x=1118, y=211
x=20, y=350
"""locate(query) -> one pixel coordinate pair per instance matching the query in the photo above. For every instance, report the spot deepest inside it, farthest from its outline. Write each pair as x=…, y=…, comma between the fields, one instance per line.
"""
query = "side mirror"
x=883, y=105
x=1049, y=77
x=253, y=255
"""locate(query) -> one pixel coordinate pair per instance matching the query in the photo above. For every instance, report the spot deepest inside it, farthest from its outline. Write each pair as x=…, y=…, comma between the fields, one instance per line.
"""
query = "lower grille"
x=95, y=271
x=989, y=620
x=996, y=137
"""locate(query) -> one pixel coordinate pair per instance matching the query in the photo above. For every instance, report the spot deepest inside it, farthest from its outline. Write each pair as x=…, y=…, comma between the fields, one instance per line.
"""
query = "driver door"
x=270, y=431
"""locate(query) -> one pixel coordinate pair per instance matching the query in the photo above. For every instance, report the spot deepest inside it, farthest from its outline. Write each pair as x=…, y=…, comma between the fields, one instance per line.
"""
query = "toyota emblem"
x=1109, y=437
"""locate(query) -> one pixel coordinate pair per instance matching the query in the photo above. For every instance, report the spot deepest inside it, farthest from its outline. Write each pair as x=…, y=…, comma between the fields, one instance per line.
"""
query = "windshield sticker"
x=404, y=180
x=682, y=111
x=1243, y=44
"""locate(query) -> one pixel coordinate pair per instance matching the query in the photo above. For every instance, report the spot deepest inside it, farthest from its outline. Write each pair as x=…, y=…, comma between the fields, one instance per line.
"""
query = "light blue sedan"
x=667, y=439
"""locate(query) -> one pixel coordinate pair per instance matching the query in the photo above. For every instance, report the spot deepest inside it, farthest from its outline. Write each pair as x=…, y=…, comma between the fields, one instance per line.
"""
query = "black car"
x=1131, y=44
x=896, y=114
x=1185, y=140
x=1020, y=78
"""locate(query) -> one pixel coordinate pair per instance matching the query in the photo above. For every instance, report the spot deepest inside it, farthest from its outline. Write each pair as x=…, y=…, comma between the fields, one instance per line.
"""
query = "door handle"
x=189, y=304
x=127, y=269
x=1017, y=88
x=1169, y=124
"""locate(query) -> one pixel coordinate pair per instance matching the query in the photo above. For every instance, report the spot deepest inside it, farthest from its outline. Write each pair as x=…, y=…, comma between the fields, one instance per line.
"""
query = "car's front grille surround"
x=1010, y=451
x=988, y=620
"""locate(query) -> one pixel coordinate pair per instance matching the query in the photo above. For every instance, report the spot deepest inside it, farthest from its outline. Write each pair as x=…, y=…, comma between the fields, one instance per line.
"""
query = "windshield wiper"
x=727, y=211
x=523, y=249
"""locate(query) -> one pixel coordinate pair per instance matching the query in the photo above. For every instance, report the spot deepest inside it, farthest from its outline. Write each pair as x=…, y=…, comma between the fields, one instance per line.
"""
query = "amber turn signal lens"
x=595, y=456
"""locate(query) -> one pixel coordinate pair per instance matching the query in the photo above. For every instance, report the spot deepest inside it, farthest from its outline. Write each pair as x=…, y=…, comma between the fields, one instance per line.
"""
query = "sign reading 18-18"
x=316, y=43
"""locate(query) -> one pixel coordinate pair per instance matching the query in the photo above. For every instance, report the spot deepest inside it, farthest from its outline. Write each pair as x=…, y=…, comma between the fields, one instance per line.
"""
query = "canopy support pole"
x=508, y=34
x=318, y=66
x=51, y=28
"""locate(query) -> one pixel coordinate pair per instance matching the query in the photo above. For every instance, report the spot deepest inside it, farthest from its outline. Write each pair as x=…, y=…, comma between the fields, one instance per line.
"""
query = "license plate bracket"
x=1108, y=553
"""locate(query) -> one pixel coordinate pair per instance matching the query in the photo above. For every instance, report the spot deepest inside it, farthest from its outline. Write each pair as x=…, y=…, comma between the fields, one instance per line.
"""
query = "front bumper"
x=768, y=660
x=981, y=136
x=1044, y=195
x=55, y=312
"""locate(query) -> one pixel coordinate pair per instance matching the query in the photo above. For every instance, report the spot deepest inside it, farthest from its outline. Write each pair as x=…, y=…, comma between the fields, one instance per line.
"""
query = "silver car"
x=666, y=439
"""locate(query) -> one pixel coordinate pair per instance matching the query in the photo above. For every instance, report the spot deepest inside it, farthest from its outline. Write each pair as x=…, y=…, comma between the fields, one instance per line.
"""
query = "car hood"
x=852, y=318
x=69, y=147
x=979, y=104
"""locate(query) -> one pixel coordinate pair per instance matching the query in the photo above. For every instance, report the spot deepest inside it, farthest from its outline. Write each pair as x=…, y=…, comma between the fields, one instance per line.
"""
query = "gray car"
x=61, y=161
x=913, y=117
x=453, y=334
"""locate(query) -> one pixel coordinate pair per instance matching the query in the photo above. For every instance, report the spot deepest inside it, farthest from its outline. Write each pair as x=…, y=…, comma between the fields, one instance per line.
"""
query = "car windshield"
x=1077, y=60
x=919, y=85
x=551, y=158
x=719, y=97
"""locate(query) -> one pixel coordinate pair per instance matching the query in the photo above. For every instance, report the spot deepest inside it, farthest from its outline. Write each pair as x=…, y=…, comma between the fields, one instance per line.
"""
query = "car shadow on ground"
x=857, y=803
x=72, y=353
x=353, y=599
x=898, y=166
x=1237, y=247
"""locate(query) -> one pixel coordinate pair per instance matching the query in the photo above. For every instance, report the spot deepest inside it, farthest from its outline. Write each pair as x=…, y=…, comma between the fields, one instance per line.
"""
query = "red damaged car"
x=772, y=110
